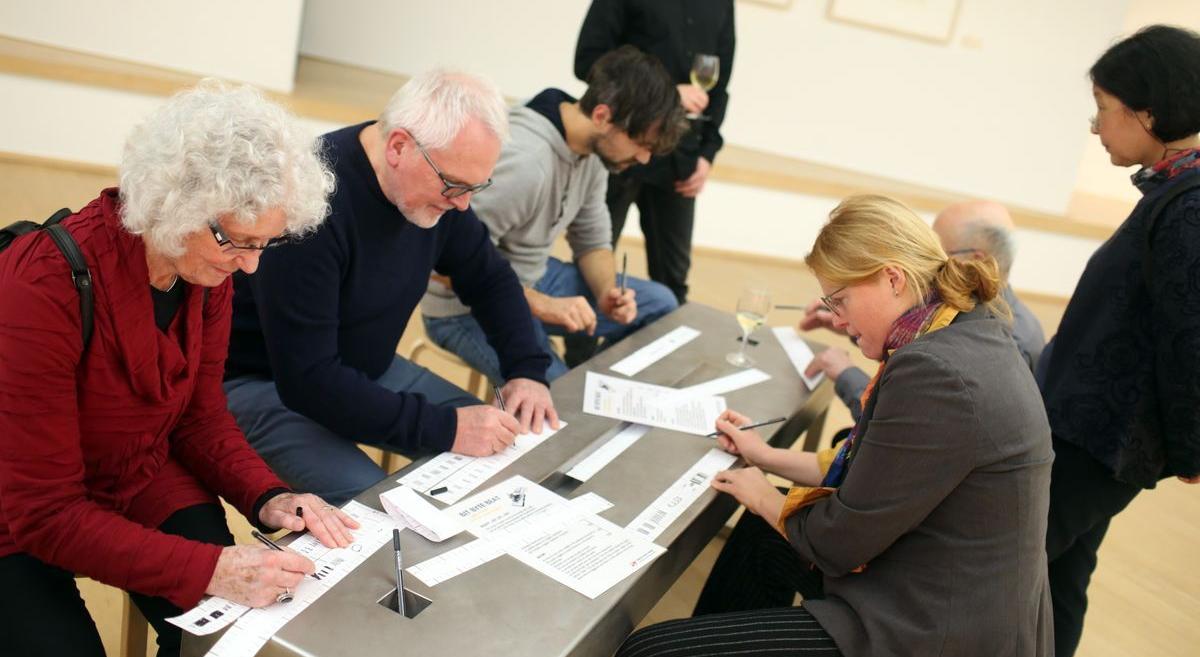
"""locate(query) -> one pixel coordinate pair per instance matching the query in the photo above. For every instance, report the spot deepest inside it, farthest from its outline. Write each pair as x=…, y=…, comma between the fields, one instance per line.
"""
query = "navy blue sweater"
x=323, y=317
x=1123, y=379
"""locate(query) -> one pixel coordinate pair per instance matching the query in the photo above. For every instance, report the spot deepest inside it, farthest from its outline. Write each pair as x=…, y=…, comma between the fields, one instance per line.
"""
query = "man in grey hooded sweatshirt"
x=552, y=178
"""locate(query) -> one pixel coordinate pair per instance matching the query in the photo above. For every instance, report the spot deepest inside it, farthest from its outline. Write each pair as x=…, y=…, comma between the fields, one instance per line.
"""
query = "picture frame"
x=932, y=21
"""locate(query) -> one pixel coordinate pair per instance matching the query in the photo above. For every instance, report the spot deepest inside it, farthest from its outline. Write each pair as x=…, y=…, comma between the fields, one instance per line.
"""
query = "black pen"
x=265, y=541
x=399, y=572
x=274, y=546
x=752, y=426
x=499, y=397
x=624, y=268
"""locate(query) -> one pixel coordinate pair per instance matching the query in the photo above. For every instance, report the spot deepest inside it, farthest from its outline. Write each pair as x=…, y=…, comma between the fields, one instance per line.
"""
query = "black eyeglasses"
x=451, y=189
x=224, y=242
x=830, y=304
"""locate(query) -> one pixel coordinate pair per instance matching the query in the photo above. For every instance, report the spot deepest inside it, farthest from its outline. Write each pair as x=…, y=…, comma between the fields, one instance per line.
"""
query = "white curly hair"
x=434, y=106
x=216, y=150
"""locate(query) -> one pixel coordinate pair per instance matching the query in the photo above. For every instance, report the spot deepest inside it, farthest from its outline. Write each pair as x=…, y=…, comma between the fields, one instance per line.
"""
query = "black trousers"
x=757, y=569
x=42, y=613
x=1084, y=497
x=666, y=219
x=787, y=631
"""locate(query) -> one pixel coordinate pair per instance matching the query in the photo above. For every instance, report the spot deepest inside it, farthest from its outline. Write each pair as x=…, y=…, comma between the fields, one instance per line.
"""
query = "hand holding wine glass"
x=706, y=71
x=752, y=308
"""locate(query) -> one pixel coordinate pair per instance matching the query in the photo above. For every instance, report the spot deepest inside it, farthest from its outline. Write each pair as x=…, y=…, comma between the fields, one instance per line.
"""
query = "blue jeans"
x=462, y=335
x=306, y=455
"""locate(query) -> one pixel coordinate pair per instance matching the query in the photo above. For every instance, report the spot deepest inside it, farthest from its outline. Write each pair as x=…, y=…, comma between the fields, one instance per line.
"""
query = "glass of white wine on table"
x=706, y=70
x=752, y=309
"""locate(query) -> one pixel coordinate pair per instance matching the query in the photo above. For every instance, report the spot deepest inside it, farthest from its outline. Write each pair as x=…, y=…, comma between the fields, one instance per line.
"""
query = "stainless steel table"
x=505, y=608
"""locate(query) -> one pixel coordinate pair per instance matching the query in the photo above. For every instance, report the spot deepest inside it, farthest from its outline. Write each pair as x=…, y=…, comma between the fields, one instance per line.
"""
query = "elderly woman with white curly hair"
x=113, y=449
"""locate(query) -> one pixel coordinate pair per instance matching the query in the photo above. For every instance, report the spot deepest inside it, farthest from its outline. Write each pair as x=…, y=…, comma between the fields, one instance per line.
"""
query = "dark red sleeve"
x=49, y=513
x=207, y=441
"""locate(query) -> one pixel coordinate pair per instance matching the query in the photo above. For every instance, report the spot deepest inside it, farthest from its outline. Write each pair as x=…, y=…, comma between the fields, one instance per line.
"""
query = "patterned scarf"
x=1147, y=178
x=915, y=322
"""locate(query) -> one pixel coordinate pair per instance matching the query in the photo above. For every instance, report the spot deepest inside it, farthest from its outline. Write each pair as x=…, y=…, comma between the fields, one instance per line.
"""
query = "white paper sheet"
x=585, y=552
x=456, y=562
x=595, y=462
x=210, y=615
x=481, y=550
x=411, y=510
x=798, y=352
x=252, y=631
x=590, y=503
x=554, y=536
x=644, y=403
x=728, y=383
x=652, y=521
x=655, y=351
x=460, y=475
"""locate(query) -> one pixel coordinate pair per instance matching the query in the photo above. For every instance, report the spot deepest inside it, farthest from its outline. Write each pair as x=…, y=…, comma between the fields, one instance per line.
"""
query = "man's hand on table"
x=529, y=402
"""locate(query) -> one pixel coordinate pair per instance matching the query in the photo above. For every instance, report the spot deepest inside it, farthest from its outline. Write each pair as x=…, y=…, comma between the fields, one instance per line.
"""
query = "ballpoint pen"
x=274, y=546
x=789, y=306
x=399, y=572
x=624, y=268
x=265, y=541
x=755, y=425
x=499, y=397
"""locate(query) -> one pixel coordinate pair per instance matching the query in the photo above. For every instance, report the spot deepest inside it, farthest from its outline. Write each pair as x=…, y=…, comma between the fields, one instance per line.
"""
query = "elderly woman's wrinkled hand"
x=325, y=522
x=255, y=576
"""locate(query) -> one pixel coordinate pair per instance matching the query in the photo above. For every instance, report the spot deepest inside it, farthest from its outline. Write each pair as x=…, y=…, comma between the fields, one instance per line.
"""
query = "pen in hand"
x=499, y=398
x=399, y=572
x=273, y=545
x=755, y=425
x=624, y=268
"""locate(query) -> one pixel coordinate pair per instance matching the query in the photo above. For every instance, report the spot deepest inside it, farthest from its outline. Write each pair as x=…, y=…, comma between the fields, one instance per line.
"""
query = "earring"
x=895, y=293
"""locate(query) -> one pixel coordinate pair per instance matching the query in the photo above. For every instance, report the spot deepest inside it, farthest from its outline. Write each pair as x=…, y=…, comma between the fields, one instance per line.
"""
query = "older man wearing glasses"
x=312, y=369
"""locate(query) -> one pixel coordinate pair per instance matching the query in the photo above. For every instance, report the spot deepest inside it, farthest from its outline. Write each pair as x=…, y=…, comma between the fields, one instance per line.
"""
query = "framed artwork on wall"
x=926, y=20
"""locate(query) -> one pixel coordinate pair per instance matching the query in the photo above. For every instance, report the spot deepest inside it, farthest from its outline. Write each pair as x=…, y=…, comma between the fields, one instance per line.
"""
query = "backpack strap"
x=1160, y=205
x=80, y=275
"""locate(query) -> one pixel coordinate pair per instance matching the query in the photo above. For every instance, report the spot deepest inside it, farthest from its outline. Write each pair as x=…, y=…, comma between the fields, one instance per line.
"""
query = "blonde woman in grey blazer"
x=924, y=532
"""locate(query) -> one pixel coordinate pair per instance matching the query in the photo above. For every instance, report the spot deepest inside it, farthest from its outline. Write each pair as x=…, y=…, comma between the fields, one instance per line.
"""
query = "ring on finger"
x=285, y=596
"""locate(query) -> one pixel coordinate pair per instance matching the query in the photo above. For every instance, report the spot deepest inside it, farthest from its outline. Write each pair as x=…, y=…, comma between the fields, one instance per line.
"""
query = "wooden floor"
x=1144, y=598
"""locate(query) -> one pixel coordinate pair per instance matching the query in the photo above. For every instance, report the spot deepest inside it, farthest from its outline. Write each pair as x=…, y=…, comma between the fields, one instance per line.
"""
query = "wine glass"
x=706, y=70
x=752, y=309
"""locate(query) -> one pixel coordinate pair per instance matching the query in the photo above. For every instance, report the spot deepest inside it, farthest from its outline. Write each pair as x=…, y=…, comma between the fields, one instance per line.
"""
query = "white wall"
x=77, y=123
x=253, y=42
x=999, y=113
x=785, y=225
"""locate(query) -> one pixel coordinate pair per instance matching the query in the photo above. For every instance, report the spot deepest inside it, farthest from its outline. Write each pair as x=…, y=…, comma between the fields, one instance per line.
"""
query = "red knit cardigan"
x=98, y=448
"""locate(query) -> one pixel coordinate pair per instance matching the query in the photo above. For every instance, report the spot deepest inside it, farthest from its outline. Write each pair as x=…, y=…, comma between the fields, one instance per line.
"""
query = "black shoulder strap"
x=80, y=274
x=1192, y=182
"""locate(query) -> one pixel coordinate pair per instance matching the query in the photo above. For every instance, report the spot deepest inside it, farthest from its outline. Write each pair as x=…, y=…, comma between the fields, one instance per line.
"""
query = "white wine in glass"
x=706, y=71
x=752, y=309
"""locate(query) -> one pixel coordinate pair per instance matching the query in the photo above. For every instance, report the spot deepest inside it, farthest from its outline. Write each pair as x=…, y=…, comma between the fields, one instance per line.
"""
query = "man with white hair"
x=970, y=229
x=553, y=176
x=312, y=369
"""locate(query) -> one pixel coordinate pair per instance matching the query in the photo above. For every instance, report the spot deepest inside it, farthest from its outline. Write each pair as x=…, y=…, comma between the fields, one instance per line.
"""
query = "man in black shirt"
x=665, y=190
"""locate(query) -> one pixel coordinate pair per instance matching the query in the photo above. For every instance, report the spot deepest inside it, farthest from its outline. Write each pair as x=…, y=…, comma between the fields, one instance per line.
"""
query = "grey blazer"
x=945, y=502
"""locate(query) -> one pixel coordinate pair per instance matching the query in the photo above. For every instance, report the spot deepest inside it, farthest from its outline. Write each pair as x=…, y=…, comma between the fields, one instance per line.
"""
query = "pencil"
x=752, y=426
